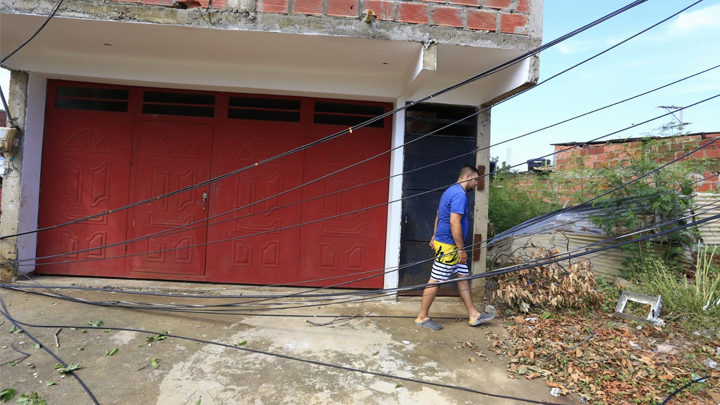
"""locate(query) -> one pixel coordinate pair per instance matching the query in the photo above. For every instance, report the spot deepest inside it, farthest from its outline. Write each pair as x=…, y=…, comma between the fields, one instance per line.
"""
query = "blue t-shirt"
x=453, y=201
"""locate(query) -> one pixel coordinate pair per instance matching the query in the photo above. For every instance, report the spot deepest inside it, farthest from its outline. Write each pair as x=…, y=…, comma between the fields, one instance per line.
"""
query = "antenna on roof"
x=670, y=108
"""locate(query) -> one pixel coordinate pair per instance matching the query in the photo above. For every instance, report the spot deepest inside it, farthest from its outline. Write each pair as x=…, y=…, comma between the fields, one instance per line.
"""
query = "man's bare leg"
x=427, y=299
x=466, y=297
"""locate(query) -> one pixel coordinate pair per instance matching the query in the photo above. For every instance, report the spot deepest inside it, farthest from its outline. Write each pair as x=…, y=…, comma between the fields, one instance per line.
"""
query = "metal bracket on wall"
x=481, y=179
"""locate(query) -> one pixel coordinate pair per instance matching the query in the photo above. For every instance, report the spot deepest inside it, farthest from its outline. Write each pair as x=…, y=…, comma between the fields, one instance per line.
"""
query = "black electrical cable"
x=9, y=117
x=376, y=293
x=531, y=222
x=359, y=210
x=357, y=126
x=205, y=220
x=306, y=293
x=278, y=355
x=677, y=391
x=47, y=20
x=4, y=312
x=206, y=223
x=185, y=295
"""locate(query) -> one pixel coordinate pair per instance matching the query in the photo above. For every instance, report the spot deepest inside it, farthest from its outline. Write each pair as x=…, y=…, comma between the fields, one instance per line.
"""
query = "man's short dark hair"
x=467, y=169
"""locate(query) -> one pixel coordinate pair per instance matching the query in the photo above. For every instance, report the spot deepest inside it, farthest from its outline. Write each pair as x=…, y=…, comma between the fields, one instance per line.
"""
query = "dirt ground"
x=121, y=367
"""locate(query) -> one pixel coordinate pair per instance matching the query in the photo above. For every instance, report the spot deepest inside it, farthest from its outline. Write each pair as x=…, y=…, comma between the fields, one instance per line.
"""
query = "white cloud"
x=697, y=23
x=574, y=46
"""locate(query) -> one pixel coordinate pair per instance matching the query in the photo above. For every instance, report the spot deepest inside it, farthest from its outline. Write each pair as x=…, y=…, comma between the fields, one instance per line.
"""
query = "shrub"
x=516, y=198
x=694, y=296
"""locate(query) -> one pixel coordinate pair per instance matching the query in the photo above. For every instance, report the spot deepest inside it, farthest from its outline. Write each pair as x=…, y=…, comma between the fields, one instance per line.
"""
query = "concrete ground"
x=190, y=372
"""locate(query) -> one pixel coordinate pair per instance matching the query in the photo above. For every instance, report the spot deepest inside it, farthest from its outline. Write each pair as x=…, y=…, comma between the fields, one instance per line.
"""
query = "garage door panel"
x=170, y=157
x=252, y=249
x=350, y=245
x=86, y=172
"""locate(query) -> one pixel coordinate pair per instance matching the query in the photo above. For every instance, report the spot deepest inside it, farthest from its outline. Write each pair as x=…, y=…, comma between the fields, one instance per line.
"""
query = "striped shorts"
x=446, y=264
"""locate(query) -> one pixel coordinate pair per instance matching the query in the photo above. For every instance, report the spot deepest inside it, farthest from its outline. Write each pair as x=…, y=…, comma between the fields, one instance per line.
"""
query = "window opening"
x=264, y=109
x=91, y=99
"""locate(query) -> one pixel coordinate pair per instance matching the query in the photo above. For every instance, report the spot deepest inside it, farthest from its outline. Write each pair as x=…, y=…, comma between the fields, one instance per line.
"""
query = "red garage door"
x=281, y=222
x=85, y=171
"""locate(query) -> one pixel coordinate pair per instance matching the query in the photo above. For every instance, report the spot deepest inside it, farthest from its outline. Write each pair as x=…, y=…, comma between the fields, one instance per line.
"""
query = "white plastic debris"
x=407, y=342
x=710, y=363
x=555, y=391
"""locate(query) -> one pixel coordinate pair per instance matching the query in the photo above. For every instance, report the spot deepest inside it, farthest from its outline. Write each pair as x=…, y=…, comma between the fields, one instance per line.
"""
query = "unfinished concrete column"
x=482, y=159
x=11, y=196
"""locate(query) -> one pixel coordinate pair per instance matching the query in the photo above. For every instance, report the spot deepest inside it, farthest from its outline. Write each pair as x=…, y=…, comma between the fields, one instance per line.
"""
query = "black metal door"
x=431, y=162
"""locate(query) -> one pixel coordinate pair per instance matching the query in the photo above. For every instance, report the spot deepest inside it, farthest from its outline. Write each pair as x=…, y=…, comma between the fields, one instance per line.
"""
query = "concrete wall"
x=503, y=24
x=11, y=196
x=480, y=230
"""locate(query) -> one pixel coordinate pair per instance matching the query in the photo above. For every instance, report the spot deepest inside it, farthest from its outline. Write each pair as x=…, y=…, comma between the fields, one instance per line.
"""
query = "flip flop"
x=482, y=319
x=429, y=324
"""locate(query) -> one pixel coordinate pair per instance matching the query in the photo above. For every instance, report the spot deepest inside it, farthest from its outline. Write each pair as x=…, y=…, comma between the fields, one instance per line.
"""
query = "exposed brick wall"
x=3, y=118
x=501, y=16
x=611, y=154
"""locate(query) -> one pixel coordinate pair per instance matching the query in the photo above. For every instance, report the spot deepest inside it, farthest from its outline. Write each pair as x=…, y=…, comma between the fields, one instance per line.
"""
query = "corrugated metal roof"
x=709, y=231
x=606, y=263
x=571, y=230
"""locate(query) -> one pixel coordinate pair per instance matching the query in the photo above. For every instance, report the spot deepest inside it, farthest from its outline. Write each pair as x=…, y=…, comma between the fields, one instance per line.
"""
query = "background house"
x=576, y=165
x=121, y=101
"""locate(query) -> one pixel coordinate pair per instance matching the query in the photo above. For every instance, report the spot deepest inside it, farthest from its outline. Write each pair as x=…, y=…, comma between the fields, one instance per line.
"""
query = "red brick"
x=194, y=3
x=703, y=187
x=497, y=3
x=125, y=1
x=523, y=6
x=712, y=153
x=435, y=1
x=272, y=6
x=413, y=13
x=343, y=8
x=484, y=20
x=513, y=23
x=216, y=3
x=447, y=16
x=472, y=3
x=310, y=7
x=157, y=2
x=384, y=10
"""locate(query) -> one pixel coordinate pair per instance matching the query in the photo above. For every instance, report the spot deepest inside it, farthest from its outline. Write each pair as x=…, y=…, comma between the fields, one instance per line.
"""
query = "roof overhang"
x=173, y=56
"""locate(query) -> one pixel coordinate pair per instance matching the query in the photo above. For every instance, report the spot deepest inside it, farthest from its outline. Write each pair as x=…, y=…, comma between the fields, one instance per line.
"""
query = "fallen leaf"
x=471, y=360
x=555, y=385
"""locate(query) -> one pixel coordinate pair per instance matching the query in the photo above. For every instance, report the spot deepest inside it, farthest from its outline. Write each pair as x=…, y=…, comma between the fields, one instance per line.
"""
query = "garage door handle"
x=204, y=200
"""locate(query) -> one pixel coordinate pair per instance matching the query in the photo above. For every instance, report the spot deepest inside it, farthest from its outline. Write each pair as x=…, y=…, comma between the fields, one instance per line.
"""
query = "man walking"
x=450, y=256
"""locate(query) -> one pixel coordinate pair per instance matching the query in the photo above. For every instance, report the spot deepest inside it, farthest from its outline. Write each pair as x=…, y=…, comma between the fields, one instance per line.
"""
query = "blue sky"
x=680, y=47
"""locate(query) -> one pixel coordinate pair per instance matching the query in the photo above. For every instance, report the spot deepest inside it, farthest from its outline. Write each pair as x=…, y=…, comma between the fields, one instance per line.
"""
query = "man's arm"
x=456, y=229
x=432, y=238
